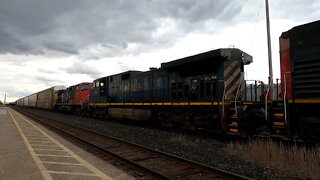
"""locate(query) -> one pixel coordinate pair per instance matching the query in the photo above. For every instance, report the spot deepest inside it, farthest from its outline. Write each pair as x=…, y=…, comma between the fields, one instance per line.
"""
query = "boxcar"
x=32, y=100
x=47, y=98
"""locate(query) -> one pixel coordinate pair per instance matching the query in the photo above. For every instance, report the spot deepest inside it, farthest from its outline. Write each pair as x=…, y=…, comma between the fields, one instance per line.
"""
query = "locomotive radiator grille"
x=307, y=78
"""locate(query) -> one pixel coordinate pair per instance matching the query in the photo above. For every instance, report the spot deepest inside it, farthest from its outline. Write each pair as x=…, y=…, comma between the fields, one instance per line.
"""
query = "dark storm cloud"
x=65, y=47
x=42, y=26
x=73, y=27
x=24, y=24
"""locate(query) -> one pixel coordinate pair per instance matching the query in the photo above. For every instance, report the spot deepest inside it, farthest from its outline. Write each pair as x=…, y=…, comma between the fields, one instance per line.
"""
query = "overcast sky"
x=64, y=42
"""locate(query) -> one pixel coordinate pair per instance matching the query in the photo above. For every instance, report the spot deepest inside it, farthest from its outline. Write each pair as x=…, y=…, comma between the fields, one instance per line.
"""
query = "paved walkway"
x=28, y=152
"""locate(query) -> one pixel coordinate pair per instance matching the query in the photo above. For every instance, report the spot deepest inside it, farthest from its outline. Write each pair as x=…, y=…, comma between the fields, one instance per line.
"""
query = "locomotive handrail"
x=223, y=96
x=266, y=103
x=285, y=95
x=235, y=98
x=277, y=90
x=255, y=89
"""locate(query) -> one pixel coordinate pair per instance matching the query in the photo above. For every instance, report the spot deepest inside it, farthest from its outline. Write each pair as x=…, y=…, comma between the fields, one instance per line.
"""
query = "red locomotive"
x=297, y=115
x=74, y=98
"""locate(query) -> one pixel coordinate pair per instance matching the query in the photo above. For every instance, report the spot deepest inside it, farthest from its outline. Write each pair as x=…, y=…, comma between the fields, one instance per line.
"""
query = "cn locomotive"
x=297, y=113
x=208, y=91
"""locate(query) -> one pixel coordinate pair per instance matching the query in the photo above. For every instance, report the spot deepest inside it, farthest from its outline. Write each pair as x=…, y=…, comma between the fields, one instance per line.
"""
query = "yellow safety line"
x=72, y=173
x=75, y=156
x=247, y=102
x=62, y=163
x=40, y=141
x=40, y=138
x=305, y=101
x=47, y=149
x=44, y=145
x=161, y=104
x=53, y=155
x=46, y=175
x=32, y=136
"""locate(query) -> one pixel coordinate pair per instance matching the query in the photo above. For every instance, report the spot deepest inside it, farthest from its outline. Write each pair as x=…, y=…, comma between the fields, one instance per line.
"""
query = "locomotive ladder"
x=234, y=117
x=278, y=124
x=236, y=109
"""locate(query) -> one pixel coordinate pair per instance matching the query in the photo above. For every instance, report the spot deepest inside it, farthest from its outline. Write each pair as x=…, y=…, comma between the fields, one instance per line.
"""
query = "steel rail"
x=226, y=174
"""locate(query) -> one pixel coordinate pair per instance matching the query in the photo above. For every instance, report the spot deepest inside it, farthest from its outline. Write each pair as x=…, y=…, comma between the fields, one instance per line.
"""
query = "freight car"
x=45, y=99
x=297, y=114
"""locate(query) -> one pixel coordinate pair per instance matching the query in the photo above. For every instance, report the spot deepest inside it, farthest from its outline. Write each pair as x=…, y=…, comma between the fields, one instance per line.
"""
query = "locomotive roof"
x=131, y=72
x=230, y=54
x=301, y=28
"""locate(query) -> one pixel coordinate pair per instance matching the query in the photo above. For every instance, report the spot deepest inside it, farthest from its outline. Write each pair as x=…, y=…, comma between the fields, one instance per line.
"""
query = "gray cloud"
x=73, y=27
x=82, y=68
x=123, y=67
x=64, y=47
x=17, y=94
x=296, y=10
x=48, y=81
x=68, y=27
x=47, y=71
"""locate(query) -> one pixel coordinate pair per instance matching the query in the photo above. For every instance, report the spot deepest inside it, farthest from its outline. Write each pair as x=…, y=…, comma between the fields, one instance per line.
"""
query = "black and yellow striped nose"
x=232, y=76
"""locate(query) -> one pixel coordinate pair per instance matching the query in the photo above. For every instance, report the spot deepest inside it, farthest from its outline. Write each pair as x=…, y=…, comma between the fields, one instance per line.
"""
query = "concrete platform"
x=30, y=151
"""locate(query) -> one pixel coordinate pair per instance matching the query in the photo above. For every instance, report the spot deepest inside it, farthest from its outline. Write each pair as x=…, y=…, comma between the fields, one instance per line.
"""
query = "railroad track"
x=149, y=163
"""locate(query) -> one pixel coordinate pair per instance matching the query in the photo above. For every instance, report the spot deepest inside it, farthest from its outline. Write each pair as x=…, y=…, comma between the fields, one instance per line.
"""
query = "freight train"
x=208, y=91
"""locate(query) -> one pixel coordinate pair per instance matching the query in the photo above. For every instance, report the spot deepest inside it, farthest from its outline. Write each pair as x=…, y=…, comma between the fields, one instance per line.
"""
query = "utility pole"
x=5, y=97
x=269, y=51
